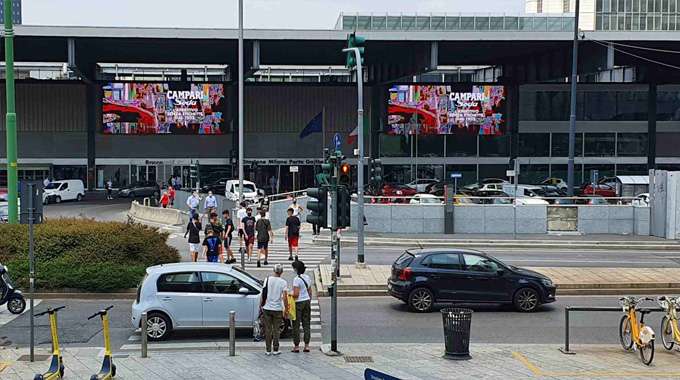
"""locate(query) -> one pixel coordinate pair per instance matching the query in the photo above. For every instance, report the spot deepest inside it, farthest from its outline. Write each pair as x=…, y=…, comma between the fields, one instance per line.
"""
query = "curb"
x=127, y=295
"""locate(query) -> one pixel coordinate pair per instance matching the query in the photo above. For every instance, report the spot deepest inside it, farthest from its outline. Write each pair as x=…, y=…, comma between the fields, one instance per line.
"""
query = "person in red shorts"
x=292, y=234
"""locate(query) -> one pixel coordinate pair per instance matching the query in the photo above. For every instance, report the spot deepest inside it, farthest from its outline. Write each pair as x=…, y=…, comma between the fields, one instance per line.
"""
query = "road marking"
x=530, y=366
x=7, y=317
x=3, y=366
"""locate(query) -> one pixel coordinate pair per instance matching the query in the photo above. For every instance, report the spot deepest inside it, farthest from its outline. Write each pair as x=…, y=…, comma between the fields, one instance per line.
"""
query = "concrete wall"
x=278, y=211
x=642, y=218
x=607, y=219
x=402, y=219
x=498, y=219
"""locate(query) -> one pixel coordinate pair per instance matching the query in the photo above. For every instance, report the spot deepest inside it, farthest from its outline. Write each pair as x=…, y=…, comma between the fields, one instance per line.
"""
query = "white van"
x=231, y=191
x=64, y=190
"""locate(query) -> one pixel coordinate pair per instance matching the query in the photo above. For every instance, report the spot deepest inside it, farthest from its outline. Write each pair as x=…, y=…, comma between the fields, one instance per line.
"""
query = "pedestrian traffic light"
x=345, y=175
x=318, y=206
x=344, y=206
x=354, y=41
x=194, y=169
x=375, y=172
x=324, y=178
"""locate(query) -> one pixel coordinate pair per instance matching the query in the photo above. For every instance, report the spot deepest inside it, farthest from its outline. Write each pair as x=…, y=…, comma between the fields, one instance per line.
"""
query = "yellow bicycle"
x=633, y=334
x=670, y=331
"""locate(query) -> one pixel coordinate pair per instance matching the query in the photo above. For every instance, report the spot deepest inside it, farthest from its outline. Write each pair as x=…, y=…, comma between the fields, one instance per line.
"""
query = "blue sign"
x=337, y=141
x=371, y=374
x=456, y=175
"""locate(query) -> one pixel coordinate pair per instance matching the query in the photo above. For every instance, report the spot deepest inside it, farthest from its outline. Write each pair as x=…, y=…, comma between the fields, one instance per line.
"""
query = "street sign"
x=36, y=202
x=456, y=175
x=337, y=141
x=509, y=173
x=294, y=169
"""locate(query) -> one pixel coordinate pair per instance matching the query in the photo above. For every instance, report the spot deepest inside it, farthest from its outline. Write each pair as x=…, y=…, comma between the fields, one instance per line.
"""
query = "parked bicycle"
x=633, y=334
x=670, y=331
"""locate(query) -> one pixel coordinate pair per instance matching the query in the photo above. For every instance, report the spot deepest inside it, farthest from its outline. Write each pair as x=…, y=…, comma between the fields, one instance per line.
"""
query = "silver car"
x=196, y=296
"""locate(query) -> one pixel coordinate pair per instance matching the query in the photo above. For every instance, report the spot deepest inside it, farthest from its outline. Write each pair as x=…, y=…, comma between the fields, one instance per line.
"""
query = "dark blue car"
x=424, y=277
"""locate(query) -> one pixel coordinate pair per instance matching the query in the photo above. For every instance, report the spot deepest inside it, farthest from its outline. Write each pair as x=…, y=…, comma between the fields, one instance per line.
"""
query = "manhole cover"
x=358, y=359
x=37, y=358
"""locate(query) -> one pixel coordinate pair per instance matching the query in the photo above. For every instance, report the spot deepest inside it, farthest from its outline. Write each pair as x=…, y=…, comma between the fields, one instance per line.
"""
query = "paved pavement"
x=404, y=361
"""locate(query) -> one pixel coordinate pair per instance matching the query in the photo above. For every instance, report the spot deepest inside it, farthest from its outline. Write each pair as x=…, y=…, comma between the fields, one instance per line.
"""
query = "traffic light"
x=318, y=206
x=194, y=170
x=344, y=205
x=375, y=172
x=354, y=41
x=345, y=175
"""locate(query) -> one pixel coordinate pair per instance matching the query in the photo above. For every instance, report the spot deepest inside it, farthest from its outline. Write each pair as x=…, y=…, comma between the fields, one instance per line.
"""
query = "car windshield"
x=247, y=274
x=52, y=185
x=248, y=188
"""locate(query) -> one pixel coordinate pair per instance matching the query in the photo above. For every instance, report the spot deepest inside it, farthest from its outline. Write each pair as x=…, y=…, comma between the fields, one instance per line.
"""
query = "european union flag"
x=314, y=125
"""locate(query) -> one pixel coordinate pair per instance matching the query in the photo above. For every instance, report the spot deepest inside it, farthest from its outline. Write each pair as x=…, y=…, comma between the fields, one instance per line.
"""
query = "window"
x=186, y=282
x=443, y=261
x=492, y=171
x=599, y=144
x=461, y=145
x=219, y=283
x=64, y=186
x=430, y=145
x=534, y=144
x=394, y=145
x=560, y=145
x=631, y=144
x=494, y=146
x=476, y=263
x=667, y=144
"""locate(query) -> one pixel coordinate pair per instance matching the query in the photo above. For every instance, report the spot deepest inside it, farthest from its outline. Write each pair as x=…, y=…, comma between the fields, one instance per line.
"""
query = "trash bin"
x=457, y=333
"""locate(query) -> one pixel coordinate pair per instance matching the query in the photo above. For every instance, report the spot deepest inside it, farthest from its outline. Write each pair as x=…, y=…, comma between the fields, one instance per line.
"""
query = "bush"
x=84, y=254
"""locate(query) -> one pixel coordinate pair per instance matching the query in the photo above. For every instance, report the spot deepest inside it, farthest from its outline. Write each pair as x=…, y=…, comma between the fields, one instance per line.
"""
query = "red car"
x=393, y=190
x=600, y=189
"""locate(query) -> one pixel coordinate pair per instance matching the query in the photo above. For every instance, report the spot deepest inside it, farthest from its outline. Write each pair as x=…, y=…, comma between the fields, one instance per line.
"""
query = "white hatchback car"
x=196, y=296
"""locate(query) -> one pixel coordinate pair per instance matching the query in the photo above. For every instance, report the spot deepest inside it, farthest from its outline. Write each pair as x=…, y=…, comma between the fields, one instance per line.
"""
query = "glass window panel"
x=379, y=22
x=481, y=23
x=630, y=169
x=636, y=5
x=393, y=22
x=567, y=24
x=469, y=173
x=399, y=173
x=494, y=146
x=422, y=23
x=467, y=23
x=657, y=22
x=603, y=170
x=526, y=23
x=437, y=22
x=643, y=22
x=672, y=6
x=395, y=145
x=658, y=6
x=667, y=144
x=629, y=5
x=599, y=144
x=431, y=172
x=530, y=174
x=554, y=24
x=430, y=145
x=364, y=23
x=598, y=6
x=560, y=171
x=496, y=23
x=600, y=105
x=606, y=4
x=560, y=145
x=534, y=144
x=118, y=174
x=452, y=22
x=631, y=144
x=540, y=24
x=667, y=105
x=408, y=22
x=348, y=22
x=511, y=23
x=492, y=171
x=605, y=21
x=461, y=145
x=631, y=105
x=636, y=22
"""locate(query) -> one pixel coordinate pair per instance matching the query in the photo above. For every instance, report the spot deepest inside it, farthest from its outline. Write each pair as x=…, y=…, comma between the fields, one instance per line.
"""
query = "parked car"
x=187, y=296
x=250, y=192
x=394, y=190
x=641, y=200
x=437, y=188
x=425, y=277
x=488, y=184
x=217, y=187
x=140, y=189
x=530, y=201
x=425, y=199
x=600, y=189
x=64, y=190
x=559, y=183
x=420, y=185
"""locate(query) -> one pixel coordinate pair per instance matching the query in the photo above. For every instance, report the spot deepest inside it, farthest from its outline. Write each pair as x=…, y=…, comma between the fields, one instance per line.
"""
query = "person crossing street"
x=248, y=224
x=192, y=202
x=210, y=204
x=302, y=292
x=274, y=306
x=265, y=235
x=292, y=234
x=228, y=230
x=193, y=230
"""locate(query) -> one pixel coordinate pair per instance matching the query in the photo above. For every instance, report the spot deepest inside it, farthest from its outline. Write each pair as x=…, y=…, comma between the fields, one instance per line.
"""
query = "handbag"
x=291, y=307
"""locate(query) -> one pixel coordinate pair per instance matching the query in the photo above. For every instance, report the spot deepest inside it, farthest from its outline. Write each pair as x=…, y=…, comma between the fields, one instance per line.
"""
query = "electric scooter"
x=108, y=370
x=56, y=370
x=16, y=304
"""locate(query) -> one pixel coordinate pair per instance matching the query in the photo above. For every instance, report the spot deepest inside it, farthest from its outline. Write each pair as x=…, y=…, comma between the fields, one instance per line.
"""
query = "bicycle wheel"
x=667, y=333
x=625, y=333
x=647, y=353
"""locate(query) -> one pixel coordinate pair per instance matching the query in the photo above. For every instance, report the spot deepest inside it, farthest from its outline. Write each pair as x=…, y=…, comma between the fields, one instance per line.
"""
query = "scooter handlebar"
x=100, y=312
x=49, y=311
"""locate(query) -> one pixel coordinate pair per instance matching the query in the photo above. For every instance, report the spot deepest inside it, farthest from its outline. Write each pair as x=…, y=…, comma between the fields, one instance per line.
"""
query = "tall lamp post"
x=572, y=116
x=240, y=100
x=10, y=118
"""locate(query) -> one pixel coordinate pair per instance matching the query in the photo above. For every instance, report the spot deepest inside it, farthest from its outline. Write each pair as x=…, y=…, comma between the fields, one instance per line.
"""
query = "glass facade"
x=636, y=14
x=537, y=23
x=622, y=105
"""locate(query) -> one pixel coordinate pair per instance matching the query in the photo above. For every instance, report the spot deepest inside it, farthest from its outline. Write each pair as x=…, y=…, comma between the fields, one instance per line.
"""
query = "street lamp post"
x=240, y=100
x=10, y=118
x=572, y=116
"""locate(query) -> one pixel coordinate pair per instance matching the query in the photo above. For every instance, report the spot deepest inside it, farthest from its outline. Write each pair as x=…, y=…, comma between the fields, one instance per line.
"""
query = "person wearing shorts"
x=228, y=230
x=264, y=236
x=292, y=234
x=211, y=246
x=193, y=230
x=248, y=224
x=240, y=214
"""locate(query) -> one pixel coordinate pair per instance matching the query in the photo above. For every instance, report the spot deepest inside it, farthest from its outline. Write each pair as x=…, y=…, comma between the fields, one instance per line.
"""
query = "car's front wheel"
x=158, y=326
x=421, y=300
x=526, y=300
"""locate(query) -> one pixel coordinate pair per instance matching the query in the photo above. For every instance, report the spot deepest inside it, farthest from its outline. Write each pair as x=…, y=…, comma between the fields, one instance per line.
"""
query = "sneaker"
x=267, y=353
x=290, y=258
x=275, y=353
x=266, y=262
x=250, y=260
x=258, y=263
x=296, y=258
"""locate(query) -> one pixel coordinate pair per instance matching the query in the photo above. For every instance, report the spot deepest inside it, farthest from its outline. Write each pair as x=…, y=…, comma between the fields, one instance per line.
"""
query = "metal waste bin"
x=457, y=333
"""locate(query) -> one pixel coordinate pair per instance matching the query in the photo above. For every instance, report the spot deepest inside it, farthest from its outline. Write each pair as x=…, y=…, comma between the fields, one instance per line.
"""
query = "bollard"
x=232, y=333
x=144, y=336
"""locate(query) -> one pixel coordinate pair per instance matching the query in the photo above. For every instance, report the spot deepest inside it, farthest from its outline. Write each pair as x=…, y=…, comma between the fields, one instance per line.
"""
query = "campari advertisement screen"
x=440, y=109
x=163, y=108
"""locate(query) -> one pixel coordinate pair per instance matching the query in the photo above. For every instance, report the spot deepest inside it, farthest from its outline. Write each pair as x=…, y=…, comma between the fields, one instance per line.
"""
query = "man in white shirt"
x=297, y=209
x=193, y=202
x=274, y=307
x=210, y=204
x=46, y=182
x=240, y=214
x=302, y=290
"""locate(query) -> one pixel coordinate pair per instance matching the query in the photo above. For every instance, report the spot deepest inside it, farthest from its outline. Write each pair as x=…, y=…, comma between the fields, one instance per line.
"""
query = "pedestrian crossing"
x=221, y=342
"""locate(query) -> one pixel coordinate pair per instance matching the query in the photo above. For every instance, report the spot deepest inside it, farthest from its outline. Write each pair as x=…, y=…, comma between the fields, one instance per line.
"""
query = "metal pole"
x=572, y=116
x=565, y=349
x=144, y=336
x=31, y=260
x=514, y=201
x=335, y=259
x=11, y=125
x=240, y=101
x=232, y=333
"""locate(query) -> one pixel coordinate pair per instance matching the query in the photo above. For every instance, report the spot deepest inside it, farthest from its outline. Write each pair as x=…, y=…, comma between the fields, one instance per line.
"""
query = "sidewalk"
x=556, y=240
x=372, y=280
x=405, y=361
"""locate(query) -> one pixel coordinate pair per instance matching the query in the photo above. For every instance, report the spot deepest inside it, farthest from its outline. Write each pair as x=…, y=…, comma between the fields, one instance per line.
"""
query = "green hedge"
x=84, y=254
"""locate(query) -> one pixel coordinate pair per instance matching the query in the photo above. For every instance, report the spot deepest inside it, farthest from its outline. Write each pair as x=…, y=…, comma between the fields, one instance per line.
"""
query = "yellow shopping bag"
x=291, y=307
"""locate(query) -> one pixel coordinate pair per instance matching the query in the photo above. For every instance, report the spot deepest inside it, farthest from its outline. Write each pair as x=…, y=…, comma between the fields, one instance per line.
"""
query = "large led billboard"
x=163, y=108
x=444, y=109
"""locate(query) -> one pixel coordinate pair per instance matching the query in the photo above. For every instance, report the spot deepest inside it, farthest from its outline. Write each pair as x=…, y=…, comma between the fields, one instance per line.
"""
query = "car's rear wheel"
x=526, y=300
x=79, y=197
x=158, y=326
x=57, y=199
x=421, y=300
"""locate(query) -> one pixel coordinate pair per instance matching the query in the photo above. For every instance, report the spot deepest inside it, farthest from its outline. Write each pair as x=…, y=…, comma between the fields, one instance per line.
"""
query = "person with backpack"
x=193, y=230
x=215, y=225
x=292, y=234
x=302, y=293
x=228, y=230
x=264, y=235
x=212, y=246
x=274, y=306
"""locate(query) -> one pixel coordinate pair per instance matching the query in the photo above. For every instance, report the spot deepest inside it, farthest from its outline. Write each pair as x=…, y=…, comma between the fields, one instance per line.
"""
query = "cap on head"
x=278, y=268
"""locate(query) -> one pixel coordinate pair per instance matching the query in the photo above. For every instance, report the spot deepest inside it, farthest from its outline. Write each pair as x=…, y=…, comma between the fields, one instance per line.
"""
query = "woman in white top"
x=302, y=290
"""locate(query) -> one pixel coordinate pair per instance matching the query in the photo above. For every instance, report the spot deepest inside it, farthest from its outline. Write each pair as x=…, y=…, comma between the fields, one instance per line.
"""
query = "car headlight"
x=547, y=282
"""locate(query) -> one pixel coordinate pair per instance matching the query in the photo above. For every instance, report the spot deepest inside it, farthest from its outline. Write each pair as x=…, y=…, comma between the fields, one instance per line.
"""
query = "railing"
x=505, y=200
